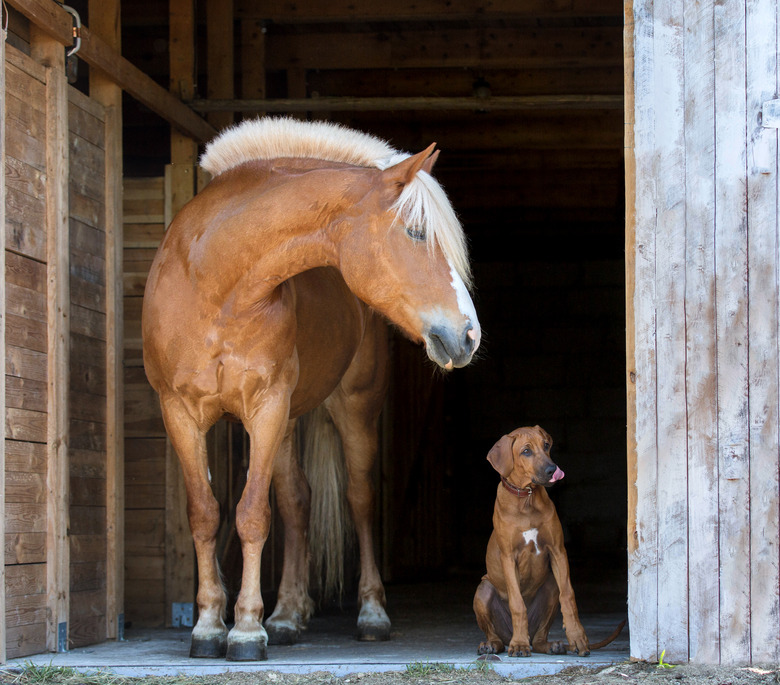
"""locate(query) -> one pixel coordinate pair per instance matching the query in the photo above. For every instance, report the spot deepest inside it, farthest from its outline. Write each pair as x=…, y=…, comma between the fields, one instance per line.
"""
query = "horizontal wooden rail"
x=398, y=104
x=57, y=23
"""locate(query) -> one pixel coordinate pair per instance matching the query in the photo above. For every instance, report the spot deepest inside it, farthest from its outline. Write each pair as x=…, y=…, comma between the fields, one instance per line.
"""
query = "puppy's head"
x=523, y=457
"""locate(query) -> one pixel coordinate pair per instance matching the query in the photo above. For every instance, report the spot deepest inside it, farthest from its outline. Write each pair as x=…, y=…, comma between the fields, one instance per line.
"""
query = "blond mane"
x=423, y=203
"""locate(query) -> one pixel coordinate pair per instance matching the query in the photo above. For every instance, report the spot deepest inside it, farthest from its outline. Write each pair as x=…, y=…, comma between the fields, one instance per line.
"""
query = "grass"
x=422, y=669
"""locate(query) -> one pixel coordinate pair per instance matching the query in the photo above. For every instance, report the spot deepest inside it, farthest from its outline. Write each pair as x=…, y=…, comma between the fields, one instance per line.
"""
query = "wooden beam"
x=474, y=47
x=3, y=631
x=397, y=104
x=49, y=52
x=105, y=17
x=284, y=11
x=57, y=24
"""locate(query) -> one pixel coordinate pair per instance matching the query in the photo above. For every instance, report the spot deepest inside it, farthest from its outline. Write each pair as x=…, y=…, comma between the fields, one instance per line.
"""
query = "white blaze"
x=530, y=536
x=465, y=304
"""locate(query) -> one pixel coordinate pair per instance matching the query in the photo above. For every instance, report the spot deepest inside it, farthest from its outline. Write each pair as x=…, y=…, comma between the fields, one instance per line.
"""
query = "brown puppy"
x=527, y=568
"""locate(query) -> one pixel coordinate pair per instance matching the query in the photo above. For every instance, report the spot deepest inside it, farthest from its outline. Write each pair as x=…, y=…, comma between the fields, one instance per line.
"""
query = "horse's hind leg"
x=355, y=406
x=188, y=440
x=293, y=495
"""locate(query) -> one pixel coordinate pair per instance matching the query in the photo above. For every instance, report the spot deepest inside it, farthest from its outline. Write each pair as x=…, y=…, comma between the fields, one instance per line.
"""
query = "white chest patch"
x=530, y=536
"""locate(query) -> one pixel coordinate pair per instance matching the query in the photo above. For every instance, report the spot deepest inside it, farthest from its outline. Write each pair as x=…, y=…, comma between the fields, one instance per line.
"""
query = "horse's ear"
x=429, y=163
x=403, y=172
x=501, y=457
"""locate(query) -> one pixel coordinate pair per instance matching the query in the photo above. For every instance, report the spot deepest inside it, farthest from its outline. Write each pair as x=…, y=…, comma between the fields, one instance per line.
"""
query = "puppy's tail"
x=606, y=640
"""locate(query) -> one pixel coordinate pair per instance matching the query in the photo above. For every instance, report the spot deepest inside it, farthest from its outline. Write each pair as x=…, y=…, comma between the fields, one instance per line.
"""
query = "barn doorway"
x=540, y=191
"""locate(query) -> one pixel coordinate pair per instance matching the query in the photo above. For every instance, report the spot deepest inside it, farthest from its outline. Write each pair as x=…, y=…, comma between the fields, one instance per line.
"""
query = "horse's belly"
x=330, y=328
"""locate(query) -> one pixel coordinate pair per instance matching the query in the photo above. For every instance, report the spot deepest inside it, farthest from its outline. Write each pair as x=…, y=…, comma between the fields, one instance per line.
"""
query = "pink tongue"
x=557, y=475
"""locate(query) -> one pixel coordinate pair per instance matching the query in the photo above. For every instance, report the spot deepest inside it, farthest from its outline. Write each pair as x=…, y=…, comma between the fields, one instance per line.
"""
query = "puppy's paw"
x=518, y=649
x=557, y=647
x=578, y=644
x=490, y=647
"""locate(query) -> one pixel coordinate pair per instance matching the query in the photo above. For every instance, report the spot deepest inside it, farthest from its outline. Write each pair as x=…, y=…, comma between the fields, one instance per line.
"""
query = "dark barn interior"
x=525, y=101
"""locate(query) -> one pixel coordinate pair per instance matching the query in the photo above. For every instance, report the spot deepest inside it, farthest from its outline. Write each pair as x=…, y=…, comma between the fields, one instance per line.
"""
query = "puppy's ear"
x=501, y=457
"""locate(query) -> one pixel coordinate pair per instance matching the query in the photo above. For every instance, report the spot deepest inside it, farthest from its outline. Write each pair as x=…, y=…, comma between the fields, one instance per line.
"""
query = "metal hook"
x=76, y=30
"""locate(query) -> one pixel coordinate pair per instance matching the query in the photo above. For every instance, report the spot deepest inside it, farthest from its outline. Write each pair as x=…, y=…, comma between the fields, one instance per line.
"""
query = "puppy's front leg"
x=520, y=644
x=575, y=633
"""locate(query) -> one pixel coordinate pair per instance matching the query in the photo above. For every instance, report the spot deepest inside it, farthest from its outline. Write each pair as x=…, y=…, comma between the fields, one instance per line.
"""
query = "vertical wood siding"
x=26, y=358
x=703, y=327
x=88, y=430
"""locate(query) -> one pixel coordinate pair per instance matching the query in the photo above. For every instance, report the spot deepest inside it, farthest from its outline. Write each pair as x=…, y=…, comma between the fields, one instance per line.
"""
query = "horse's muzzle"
x=452, y=348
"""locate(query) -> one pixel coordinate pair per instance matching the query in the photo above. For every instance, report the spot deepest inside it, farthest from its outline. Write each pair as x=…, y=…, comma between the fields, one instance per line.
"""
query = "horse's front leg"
x=189, y=442
x=294, y=607
x=247, y=639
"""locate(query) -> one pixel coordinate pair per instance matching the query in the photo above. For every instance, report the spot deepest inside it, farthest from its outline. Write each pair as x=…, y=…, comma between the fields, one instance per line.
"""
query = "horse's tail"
x=330, y=526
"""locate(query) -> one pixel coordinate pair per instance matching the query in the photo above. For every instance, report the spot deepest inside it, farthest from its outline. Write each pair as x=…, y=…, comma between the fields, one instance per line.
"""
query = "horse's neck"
x=255, y=231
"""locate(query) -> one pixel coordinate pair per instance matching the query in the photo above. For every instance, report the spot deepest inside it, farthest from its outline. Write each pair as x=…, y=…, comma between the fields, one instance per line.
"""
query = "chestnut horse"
x=264, y=301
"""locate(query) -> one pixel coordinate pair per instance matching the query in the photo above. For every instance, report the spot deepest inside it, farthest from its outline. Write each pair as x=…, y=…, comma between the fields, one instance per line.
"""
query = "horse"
x=269, y=296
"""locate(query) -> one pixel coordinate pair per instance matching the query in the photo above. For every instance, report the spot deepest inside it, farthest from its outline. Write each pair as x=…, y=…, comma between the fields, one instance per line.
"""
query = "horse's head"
x=404, y=254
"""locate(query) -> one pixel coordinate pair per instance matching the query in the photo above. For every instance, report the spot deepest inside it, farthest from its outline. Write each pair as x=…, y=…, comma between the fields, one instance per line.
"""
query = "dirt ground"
x=429, y=673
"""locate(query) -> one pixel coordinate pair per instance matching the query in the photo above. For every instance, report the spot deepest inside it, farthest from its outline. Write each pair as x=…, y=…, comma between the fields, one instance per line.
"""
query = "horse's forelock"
x=424, y=203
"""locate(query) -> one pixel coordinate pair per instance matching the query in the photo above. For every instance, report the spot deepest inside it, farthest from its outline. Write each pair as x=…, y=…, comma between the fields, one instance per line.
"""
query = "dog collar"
x=516, y=490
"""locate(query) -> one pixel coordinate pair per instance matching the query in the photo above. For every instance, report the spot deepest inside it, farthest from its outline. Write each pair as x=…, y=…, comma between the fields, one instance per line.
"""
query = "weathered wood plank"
x=24, y=334
x=23, y=393
x=22, y=424
x=732, y=330
x=26, y=640
x=25, y=487
x=5, y=553
x=25, y=518
x=24, y=225
x=28, y=457
x=762, y=43
x=643, y=472
x=49, y=52
x=24, y=580
x=25, y=548
x=26, y=363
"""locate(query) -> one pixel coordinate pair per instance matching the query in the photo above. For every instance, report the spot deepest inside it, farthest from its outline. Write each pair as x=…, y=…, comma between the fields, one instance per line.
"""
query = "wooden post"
x=52, y=54
x=219, y=51
x=105, y=22
x=180, y=180
x=252, y=61
x=764, y=365
x=3, y=631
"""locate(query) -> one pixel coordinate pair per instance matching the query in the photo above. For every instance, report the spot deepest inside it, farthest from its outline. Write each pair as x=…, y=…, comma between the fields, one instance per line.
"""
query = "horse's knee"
x=203, y=515
x=253, y=520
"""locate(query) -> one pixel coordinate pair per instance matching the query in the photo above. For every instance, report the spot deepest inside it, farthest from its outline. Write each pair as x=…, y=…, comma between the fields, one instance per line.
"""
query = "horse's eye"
x=415, y=232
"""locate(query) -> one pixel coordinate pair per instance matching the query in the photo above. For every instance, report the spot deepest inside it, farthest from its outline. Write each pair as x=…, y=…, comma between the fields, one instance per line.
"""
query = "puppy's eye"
x=526, y=452
x=546, y=446
x=416, y=232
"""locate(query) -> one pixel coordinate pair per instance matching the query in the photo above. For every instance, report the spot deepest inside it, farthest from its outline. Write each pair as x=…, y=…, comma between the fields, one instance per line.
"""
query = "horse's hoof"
x=281, y=634
x=208, y=648
x=374, y=632
x=247, y=650
x=373, y=624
